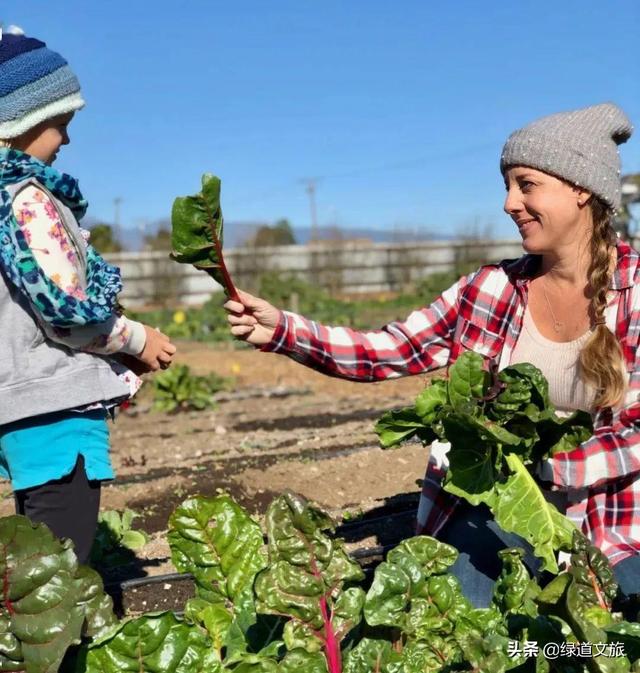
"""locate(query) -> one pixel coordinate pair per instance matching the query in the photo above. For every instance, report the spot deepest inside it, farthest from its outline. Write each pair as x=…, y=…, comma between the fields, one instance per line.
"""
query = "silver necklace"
x=557, y=325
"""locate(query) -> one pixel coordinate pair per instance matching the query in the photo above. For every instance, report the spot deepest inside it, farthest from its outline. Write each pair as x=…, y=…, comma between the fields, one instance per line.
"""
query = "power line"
x=387, y=166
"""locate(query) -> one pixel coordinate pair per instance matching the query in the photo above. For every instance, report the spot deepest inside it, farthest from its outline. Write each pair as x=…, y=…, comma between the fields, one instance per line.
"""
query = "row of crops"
x=290, y=599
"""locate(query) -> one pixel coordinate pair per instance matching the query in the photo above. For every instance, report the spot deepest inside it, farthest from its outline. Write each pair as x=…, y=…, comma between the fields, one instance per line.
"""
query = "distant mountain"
x=238, y=233
x=303, y=234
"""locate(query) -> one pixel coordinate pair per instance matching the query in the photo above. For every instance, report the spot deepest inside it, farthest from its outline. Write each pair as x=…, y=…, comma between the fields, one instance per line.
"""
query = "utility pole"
x=116, y=216
x=142, y=226
x=311, y=191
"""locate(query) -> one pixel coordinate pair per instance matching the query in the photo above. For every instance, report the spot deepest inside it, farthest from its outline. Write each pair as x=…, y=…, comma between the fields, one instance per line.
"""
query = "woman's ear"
x=583, y=196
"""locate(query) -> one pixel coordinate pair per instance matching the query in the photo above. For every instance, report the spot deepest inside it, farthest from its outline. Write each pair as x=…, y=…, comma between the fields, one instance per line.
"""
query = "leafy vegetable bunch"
x=500, y=425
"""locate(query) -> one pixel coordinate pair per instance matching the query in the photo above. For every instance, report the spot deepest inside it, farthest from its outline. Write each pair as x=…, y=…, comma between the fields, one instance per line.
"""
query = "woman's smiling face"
x=549, y=212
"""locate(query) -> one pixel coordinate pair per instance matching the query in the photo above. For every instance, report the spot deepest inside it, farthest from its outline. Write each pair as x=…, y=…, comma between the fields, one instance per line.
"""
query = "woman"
x=59, y=316
x=570, y=306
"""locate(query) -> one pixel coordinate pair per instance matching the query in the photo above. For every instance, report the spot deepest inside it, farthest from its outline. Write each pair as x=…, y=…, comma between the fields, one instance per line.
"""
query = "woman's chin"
x=529, y=245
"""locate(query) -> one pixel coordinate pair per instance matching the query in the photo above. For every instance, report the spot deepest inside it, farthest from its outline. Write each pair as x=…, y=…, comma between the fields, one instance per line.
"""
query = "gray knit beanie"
x=580, y=146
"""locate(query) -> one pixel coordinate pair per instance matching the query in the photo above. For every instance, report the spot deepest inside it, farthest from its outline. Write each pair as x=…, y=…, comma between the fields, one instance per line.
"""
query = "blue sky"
x=399, y=109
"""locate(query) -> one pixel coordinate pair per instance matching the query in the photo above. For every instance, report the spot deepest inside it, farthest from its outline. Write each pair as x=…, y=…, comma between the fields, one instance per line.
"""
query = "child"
x=59, y=315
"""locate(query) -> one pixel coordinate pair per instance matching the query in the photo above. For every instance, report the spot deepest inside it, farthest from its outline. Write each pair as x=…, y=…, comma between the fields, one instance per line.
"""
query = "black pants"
x=69, y=506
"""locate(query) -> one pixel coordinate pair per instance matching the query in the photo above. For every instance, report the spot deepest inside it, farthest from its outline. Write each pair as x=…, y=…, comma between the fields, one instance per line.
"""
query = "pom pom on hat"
x=36, y=84
x=11, y=30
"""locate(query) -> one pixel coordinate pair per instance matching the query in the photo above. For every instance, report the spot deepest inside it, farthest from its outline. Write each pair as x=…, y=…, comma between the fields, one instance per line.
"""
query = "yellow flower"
x=235, y=368
x=179, y=317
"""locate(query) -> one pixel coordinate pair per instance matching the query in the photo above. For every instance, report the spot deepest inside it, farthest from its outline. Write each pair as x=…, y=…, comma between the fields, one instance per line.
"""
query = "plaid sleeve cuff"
x=284, y=339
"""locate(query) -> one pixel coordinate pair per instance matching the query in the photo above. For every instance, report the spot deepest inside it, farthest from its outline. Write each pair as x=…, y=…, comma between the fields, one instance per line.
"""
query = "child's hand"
x=158, y=351
x=252, y=319
x=131, y=362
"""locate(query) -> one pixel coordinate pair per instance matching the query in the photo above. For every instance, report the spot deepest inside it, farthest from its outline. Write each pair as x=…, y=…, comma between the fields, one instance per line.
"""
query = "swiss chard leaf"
x=410, y=591
x=196, y=232
x=154, y=643
x=467, y=381
x=431, y=401
x=371, y=655
x=474, y=458
x=398, y=425
x=46, y=600
x=308, y=577
x=514, y=591
x=520, y=507
x=539, y=387
x=217, y=541
x=300, y=661
x=558, y=434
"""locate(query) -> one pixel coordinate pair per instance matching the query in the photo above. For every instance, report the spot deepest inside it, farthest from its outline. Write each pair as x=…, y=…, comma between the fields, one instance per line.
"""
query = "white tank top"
x=558, y=362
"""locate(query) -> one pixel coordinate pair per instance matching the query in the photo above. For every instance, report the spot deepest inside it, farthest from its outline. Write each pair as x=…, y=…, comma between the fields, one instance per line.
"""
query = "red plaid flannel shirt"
x=483, y=312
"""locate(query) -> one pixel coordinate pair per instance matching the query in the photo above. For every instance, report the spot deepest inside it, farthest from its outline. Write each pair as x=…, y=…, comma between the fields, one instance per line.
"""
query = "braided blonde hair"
x=601, y=361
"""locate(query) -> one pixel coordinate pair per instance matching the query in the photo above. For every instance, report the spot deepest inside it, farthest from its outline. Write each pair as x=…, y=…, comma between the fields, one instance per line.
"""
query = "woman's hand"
x=252, y=319
x=158, y=351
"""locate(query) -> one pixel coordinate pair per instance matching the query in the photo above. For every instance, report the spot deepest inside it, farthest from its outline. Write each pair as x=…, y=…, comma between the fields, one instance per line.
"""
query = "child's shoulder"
x=29, y=191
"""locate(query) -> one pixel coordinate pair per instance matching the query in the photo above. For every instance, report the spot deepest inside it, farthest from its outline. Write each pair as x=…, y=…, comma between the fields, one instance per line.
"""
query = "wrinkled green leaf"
x=98, y=606
x=44, y=601
x=154, y=643
x=215, y=618
x=409, y=592
x=389, y=597
x=466, y=380
x=373, y=656
x=432, y=656
x=423, y=554
x=521, y=508
x=217, y=541
x=474, y=464
x=535, y=380
x=514, y=591
x=196, y=224
x=396, y=426
x=562, y=434
x=299, y=661
x=196, y=231
x=431, y=401
x=307, y=574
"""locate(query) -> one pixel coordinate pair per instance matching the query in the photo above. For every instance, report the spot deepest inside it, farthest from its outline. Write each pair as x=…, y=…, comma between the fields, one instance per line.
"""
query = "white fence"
x=351, y=267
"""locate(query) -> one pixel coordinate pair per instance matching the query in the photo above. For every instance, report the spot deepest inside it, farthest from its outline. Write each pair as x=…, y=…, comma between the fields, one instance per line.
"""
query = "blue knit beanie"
x=36, y=84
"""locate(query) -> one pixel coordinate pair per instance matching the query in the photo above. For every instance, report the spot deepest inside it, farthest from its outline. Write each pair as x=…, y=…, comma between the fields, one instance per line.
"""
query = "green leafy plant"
x=300, y=604
x=115, y=539
x=500, y=426
x=196, y=232
x=49, y=603
x=177, y=389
